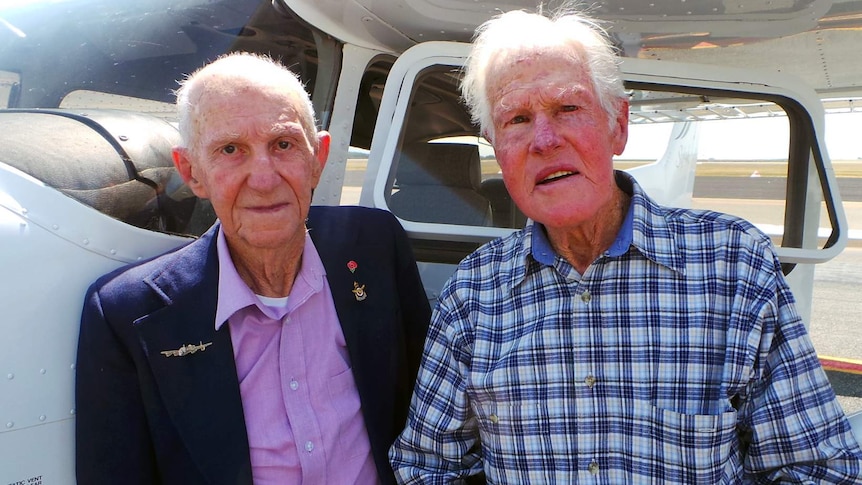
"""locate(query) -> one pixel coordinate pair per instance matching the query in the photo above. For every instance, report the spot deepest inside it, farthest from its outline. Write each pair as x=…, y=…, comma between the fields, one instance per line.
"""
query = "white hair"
x=519, y=33
x=251, y=70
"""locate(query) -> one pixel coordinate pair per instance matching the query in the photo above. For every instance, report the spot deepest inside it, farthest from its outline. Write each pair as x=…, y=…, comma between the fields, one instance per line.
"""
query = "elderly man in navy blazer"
x=280, y=347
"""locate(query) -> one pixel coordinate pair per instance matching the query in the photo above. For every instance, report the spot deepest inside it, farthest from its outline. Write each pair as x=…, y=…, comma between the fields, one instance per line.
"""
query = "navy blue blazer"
x=146, y=418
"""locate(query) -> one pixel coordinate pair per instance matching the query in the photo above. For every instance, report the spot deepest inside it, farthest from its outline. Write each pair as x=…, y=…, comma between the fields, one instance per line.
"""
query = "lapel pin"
x=351, y=265
x=186, y=349
x=359, y=291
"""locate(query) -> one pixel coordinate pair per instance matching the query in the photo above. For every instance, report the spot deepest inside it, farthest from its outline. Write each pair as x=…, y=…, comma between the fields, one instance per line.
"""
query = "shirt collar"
x=234, y=294
x=543, y=252
x=652, y=233
x=645, y=227
x=541, y=248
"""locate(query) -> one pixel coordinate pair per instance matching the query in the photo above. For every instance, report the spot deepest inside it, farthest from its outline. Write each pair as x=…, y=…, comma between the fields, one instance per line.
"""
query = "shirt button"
x=494, y=419
x=594, y=468
x=586, y=297
x=590, y=381
x=309, y=446
x=294, y=385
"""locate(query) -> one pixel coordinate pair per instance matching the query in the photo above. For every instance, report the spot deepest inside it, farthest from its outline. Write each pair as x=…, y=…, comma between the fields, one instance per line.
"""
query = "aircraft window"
x=439, y=176
x=441, y=182
x=139, y=49
x=357, y=163
x=710, y=152
x=364, y=120
x=504, y=213
x=688, y=147
x=368, y=102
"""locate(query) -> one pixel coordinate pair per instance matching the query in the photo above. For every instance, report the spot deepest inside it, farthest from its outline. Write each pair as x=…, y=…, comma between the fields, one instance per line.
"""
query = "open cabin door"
x=433, y=170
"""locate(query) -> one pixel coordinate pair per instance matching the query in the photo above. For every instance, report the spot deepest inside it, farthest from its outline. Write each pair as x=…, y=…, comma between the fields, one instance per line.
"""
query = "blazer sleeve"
x=112, y=441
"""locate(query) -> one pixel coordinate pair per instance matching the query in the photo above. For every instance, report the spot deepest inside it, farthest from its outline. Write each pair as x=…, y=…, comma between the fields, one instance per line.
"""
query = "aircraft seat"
x=439, y=182
x=117, y=162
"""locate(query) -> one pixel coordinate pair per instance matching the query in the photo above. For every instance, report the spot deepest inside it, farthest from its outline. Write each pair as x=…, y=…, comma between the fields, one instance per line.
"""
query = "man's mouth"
x=553, y=177
x=268, y=208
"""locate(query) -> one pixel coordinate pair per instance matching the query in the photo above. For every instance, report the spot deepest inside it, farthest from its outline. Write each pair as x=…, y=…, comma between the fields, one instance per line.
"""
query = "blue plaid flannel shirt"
x=677, y=357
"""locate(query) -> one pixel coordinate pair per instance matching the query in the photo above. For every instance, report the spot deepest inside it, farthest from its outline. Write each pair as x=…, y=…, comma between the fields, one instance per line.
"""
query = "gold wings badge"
x=187, y=349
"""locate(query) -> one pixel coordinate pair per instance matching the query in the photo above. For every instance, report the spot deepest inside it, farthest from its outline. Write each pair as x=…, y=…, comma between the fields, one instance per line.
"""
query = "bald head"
x=234, y=75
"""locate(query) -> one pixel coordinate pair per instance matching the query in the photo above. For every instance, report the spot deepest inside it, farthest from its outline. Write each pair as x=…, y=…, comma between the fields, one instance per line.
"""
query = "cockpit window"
x=139, y=49
x=106, y=72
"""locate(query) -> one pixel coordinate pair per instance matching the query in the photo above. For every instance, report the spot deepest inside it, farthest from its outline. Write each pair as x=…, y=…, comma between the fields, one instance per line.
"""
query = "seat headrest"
x=448, y=164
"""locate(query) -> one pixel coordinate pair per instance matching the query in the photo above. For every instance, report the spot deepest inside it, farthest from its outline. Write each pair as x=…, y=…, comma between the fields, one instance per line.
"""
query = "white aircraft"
x=87, y=183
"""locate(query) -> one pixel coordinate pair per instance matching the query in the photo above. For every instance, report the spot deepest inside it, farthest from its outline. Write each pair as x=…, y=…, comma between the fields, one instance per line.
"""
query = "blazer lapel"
x=193, y=365
x=361, y=297
x=367, y=320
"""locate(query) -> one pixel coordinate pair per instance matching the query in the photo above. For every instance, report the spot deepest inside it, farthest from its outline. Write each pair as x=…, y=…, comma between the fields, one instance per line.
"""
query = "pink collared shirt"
x=301, y=406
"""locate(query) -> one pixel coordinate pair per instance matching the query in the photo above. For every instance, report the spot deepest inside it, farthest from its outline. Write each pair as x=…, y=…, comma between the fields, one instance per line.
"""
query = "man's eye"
x=519, y=119
x=569, y=108
x=283, y=144
x=229, y=149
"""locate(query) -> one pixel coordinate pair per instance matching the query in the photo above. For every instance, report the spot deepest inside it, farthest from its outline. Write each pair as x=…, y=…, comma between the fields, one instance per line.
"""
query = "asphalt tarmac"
x=836, y=311
x=836, y=321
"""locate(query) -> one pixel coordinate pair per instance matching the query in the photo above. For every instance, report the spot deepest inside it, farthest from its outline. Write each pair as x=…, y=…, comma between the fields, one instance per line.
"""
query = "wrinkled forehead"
x=221, y=92
x=217, y=91
x=517, y=62
x=221, y=98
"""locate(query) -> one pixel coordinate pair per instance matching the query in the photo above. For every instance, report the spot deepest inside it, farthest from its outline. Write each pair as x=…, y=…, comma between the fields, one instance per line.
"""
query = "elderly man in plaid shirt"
x=612, y=340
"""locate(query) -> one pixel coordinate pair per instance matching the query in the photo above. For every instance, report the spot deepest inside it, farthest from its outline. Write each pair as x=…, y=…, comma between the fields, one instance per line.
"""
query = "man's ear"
x=489, y=138
x=621, y=127
x=184, y=166
x=323, y=141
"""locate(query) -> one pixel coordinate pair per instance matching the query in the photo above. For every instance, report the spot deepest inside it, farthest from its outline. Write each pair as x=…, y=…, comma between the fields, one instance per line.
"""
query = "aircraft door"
x=440, y=193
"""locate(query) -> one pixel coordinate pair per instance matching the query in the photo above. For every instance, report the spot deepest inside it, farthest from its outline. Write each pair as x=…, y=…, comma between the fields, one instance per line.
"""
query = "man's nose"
x=546, y=134
x=264, y=174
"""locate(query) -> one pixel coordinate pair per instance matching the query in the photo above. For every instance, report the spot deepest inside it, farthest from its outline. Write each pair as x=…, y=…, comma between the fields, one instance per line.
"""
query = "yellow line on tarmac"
x=840, y=364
